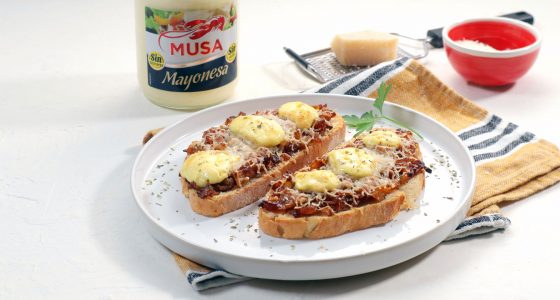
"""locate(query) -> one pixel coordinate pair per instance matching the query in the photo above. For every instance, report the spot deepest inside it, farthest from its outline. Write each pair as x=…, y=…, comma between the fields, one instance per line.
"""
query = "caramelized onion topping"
x=283, y=198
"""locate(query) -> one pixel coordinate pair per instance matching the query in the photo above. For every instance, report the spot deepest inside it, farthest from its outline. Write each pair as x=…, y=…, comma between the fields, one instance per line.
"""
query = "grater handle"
x=435, y=37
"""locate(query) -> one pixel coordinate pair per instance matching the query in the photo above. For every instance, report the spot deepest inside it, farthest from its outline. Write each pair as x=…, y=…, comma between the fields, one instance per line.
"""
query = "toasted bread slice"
x=256, y=188
x=289, y=226
x=318, y=227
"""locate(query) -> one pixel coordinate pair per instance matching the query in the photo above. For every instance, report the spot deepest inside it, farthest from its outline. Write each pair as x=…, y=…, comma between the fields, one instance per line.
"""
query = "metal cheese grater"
x=323, y=66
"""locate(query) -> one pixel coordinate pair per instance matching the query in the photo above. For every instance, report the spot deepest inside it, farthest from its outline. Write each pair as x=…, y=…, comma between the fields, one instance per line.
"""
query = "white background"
x=72, y=118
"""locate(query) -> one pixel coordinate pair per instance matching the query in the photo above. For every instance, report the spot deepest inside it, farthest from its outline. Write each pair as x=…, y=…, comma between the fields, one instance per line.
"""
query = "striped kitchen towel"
x=511, y=163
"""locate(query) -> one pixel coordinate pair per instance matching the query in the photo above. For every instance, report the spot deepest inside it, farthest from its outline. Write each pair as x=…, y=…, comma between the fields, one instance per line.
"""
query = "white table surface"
x=72, y=118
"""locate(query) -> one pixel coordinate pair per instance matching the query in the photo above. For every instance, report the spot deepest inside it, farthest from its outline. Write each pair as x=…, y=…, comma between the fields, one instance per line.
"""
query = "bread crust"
x=318, y=227
x=256, y=188
x=412, y=190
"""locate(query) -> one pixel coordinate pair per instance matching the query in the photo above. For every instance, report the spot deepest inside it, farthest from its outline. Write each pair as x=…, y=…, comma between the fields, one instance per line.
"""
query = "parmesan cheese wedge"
x=364, y=48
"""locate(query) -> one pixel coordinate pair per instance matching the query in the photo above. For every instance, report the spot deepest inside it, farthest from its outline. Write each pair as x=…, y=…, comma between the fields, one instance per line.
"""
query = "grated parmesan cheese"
x=386, y=171
x=476, y=45
x=242, y=144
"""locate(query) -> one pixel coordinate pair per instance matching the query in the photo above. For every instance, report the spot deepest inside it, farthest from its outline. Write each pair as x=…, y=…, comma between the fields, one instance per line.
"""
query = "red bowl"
x=518, y=44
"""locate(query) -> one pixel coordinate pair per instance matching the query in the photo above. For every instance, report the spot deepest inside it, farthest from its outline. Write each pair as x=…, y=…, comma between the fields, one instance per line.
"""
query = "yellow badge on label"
x=231, y=53
x=156, y=60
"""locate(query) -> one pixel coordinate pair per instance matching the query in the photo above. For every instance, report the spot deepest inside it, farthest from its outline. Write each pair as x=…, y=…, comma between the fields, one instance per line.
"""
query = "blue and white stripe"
x=478, y=225
x=365, y=82
x=200, y=281
x=493, y=138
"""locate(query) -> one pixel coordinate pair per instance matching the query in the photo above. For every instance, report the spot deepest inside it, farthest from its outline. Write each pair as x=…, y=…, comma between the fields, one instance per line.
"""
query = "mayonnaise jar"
x=186, y=51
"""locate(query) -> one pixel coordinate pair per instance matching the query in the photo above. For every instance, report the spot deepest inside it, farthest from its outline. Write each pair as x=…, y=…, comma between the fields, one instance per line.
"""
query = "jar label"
x=191, y=50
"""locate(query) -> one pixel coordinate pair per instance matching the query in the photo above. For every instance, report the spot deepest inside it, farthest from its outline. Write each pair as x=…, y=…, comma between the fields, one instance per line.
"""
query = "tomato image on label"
x=156, y=60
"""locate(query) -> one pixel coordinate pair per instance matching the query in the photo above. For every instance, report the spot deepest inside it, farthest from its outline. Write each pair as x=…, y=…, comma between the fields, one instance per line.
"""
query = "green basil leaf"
x=364, y=127
x=368, y=116
x=351, y=120
x=366, y=121
x=382, y=92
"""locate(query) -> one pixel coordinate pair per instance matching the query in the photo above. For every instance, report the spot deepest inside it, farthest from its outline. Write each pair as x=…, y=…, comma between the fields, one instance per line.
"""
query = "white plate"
x=233, y=242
